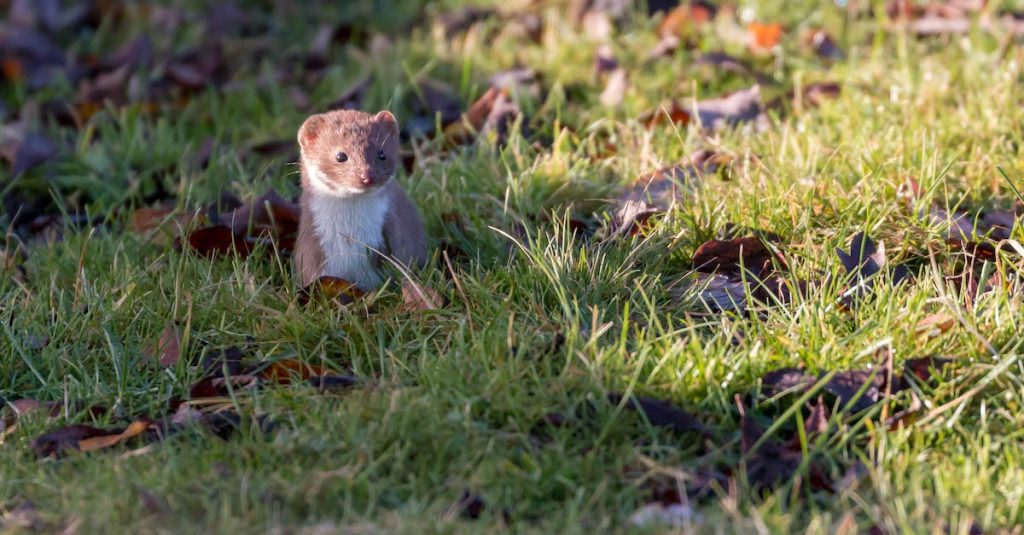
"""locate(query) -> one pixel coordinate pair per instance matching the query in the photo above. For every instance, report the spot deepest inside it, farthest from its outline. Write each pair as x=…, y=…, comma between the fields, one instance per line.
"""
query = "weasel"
x=352, y=209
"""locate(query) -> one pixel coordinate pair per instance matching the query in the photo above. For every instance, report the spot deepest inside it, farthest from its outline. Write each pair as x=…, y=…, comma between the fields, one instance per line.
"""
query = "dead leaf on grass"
x=734, y=256
x=219, y=240
x=332, y=288
x=167, y=350
x=418, y=298
x=763, y=37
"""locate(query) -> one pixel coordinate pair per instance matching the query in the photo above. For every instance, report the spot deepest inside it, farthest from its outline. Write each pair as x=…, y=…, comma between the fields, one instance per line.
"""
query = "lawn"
x=744, y=267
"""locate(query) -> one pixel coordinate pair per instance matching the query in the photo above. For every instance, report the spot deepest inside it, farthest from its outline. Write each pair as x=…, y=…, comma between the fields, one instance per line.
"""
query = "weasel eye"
x=341, y=157
x=381, y=155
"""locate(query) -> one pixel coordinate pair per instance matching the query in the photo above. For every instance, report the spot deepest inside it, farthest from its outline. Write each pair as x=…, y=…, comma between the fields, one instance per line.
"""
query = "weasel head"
x=347, y=153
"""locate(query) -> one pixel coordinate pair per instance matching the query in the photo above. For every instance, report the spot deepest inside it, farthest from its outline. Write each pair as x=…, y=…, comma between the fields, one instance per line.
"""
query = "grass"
x=454, y=395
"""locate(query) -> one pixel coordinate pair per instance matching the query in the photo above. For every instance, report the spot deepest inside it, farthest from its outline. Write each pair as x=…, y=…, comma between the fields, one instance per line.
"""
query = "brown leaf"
x=734, y=256
x=817, y=420
x=332, y=288
x=167, y=350
x=284, y=371
x=816, y=94
x=219, y=240
x=418, y=298
x=661, y=413
x=686, y=18
x=463, y=132
x=924, y=368
x=470, y=505
x=133, y=54
x=934, y=325
x=786, y=380
x=100, y=442
x=220, y=386
x=860, y=389
x=270, y=215
x=763, y=37
x=165, y=221
x=55, y=443
x=773, y=462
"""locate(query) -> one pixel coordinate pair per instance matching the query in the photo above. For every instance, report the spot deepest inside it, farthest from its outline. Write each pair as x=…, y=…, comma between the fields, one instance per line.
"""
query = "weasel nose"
x=366, y=179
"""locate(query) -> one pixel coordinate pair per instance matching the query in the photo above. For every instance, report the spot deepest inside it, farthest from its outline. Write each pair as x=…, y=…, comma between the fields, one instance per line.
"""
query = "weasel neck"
x=350, y=230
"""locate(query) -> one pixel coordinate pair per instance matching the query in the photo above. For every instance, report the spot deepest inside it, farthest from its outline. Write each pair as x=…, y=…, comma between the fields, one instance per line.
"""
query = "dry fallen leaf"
x=333, y=288
x=686, y=18
x=935, y=324
x=763, y=37
x=417, y=298
x=219, y=240
x=284, y=371
x=749, y=254
x=167, y=350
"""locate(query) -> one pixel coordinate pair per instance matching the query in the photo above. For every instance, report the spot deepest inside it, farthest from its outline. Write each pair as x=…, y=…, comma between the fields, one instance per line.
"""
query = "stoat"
x=352, y=209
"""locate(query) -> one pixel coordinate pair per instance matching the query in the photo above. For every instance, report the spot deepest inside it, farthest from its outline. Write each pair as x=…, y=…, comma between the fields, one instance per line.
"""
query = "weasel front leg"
x=403, y=230
x=309, y=258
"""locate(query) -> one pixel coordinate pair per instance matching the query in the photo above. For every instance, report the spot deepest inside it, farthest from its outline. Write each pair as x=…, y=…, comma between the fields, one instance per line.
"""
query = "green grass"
x=453, y=396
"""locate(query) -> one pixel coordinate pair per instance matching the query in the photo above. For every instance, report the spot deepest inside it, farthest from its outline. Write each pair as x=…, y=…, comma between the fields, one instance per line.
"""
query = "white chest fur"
x=348, y=229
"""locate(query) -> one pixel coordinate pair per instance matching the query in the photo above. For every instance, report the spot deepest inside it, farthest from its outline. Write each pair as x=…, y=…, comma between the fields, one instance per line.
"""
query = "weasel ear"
x=310, y=130
x=388, y=119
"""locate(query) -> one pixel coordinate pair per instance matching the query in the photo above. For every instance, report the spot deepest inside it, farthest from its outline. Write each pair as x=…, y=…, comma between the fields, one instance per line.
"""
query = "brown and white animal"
x=352, y=209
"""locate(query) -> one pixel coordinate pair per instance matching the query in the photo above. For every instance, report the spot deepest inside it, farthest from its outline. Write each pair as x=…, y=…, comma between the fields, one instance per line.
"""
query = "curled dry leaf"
x=463, y=132
x=333, y=288
x=77, y=437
